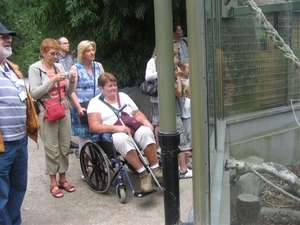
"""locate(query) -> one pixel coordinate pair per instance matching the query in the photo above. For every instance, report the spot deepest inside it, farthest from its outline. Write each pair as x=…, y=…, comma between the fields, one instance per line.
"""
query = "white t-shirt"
x=107, y=115
x=186, y=112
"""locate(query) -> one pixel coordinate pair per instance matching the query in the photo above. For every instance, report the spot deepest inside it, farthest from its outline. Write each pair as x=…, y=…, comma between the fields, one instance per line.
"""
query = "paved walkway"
x=85, y=206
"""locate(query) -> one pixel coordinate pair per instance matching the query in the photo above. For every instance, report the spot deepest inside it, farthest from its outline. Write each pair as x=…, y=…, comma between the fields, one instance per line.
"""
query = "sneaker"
x=77, y=153
x=187, y=174
x=73, y=145
x=82, y=176
x=158, y=173
x=146, y=181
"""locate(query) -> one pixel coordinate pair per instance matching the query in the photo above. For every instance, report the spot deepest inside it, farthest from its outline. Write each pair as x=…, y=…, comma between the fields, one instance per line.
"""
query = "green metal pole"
x=165, y=64
x=168, y=136
x=197, y=63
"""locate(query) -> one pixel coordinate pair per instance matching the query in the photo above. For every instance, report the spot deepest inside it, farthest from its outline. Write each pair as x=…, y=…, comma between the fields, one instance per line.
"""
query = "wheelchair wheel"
x=95, y=167
x=121, y=193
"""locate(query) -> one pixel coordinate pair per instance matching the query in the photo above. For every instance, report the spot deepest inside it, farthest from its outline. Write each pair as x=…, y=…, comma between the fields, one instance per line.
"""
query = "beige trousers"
x=56, y=137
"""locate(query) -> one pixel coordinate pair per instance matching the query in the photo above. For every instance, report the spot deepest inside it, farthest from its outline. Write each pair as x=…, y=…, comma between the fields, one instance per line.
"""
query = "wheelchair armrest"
x=103, y=137
x=105, y=141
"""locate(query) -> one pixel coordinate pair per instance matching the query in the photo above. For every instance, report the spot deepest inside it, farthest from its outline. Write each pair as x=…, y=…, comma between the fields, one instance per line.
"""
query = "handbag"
x=54, y=109
x=84, y=118
x=128, y=120
x=149, y=88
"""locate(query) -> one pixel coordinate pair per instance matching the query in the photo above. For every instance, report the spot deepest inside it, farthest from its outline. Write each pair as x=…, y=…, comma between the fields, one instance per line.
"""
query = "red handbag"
x=54, y=110
x=128, y=120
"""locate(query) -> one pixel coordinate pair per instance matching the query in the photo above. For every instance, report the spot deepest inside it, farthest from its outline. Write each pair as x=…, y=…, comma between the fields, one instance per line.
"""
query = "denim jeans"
x=13, y=180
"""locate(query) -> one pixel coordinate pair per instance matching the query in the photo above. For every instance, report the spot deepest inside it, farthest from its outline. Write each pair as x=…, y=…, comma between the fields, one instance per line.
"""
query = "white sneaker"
x=187, y=174
x=82, y=176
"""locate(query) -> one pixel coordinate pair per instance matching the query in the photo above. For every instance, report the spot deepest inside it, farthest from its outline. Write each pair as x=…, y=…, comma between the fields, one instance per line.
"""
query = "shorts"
x=143, y=137
x=155, y=114
x=184, y=143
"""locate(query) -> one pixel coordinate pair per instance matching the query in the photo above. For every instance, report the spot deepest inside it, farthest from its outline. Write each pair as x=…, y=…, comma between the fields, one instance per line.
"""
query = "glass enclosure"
x=252, y=50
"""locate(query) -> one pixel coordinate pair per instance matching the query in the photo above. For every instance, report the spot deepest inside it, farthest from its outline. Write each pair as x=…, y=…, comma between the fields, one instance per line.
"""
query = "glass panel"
x=250, y=72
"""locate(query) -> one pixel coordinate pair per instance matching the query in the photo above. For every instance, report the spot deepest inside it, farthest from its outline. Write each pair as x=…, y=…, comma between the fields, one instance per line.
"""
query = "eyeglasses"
x=5, y=36
x=111, y=85
x=54, y=53
x=65, y=43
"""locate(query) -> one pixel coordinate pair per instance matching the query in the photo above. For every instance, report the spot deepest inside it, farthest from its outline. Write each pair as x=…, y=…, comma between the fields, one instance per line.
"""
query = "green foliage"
x=123, y=30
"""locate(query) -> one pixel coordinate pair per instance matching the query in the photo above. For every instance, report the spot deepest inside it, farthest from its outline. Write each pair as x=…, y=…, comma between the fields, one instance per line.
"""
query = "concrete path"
x=85, y=206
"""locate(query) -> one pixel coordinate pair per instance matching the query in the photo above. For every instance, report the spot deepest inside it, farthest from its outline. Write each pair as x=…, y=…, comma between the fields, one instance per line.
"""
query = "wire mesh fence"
x=250, y=73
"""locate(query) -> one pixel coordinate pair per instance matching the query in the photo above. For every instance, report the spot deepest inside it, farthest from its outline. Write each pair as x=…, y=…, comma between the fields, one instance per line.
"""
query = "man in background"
x=66, y=60
x=181, y=42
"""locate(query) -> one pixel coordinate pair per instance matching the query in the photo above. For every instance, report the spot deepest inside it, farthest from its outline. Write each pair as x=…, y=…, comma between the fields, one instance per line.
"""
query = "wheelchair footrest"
x=143, y=194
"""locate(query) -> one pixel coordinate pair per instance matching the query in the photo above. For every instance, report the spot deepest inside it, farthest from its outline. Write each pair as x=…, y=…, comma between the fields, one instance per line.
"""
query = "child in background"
x=184, y=145
x=186, y=112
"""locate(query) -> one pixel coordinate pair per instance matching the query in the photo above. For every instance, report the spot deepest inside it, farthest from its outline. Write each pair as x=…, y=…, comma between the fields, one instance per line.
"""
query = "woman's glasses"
x=54, y=53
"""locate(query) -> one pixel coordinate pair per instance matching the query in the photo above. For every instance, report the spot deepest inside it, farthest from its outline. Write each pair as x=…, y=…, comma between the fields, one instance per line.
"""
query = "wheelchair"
x=103, y=167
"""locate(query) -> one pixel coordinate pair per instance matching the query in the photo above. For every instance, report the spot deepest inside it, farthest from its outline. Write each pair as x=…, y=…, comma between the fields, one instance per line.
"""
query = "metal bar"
x=197, y=61
x=168, y=136
x=277, y=7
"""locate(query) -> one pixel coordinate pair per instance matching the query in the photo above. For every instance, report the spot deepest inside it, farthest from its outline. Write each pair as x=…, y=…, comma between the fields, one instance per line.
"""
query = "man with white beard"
x=13, y=137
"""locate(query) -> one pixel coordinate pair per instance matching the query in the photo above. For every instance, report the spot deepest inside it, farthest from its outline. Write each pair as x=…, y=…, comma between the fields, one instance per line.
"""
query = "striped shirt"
x=67, y=61
x=12, y=108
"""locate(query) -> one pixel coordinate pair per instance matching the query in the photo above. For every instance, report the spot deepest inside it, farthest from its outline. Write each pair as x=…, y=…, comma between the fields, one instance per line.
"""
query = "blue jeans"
x=13, y=180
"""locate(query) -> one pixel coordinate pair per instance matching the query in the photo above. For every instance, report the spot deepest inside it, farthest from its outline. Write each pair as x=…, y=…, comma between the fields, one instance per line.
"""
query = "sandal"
x=55, y=191
x=65, y=185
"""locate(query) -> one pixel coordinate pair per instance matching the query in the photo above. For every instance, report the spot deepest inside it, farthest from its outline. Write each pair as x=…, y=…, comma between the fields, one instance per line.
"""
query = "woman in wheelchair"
x=103, y=120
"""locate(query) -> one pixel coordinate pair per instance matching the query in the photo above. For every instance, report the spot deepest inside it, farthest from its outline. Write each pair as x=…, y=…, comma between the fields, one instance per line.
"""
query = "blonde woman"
x=86, y=87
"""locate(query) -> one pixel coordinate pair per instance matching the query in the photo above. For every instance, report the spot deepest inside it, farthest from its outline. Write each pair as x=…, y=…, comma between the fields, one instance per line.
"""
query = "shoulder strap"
x=15, y=68
x=118, y=99
x=185, y=41
x=58, y=84
x=94, y=75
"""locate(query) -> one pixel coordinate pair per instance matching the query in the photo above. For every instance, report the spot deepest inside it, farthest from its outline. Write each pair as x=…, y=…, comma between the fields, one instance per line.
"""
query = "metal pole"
x=197, y=63
x=168, y=136
x=169, y=146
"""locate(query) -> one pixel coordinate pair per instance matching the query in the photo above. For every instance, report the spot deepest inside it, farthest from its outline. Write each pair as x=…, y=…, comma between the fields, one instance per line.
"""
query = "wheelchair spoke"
x=95, y=167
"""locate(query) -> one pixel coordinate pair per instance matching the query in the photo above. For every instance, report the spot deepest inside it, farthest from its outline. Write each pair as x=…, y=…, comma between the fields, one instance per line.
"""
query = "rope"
x=272, y=33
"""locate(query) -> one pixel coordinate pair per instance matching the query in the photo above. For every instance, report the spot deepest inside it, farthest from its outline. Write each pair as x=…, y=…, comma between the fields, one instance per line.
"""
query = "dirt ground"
x=272, y=198
x=85, y=206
